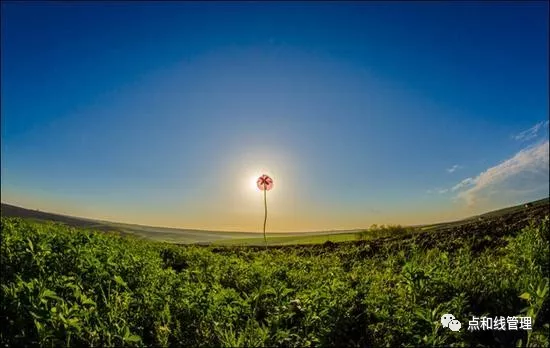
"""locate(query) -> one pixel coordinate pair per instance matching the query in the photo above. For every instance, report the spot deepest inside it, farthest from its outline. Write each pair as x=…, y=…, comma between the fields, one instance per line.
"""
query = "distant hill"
x=13, y=211
x=187, y=236
x=172, y=235
x=149, y=232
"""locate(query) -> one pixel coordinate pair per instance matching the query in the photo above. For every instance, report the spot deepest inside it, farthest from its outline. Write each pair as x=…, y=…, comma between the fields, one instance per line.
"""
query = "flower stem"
x=265, y=216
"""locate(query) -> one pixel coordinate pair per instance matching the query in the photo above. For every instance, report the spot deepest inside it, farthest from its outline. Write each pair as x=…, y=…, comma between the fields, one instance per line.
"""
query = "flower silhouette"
x=265, y=183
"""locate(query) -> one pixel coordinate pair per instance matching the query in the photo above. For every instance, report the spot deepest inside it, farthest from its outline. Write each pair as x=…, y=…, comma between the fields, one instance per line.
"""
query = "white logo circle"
x=454, y=325
x=446, y=319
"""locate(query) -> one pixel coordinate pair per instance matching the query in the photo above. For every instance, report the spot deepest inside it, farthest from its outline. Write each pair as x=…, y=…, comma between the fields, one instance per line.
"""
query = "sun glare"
x=253, y=180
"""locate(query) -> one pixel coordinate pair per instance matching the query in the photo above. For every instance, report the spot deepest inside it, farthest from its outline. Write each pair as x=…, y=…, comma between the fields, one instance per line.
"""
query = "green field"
x=159, y=234
x=64, y=286
x=287, y=240
x=319, y=238
x=188, y=236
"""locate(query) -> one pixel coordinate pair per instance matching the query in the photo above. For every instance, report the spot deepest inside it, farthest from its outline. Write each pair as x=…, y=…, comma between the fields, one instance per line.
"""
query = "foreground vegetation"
x=64, y=286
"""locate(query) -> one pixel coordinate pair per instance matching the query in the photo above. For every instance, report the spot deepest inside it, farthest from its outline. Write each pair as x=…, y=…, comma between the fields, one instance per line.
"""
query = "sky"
x=164, y=113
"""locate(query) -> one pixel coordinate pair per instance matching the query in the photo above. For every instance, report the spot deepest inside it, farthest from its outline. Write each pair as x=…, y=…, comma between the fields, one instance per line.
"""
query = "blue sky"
x=362, y=112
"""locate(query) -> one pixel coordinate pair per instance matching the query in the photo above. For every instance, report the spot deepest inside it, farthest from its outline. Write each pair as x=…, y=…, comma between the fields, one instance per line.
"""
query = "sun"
x=253, y=180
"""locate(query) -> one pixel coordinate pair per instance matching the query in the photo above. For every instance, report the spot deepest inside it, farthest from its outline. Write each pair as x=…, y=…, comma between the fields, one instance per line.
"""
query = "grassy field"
x=159, y=234
x=377, y=231
x=320, y=238
x=63, y=286
x=287, y=240
x=188, y=236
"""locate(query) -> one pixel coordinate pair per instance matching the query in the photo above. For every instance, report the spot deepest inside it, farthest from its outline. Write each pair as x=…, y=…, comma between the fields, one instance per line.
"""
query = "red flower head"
x=265, y=183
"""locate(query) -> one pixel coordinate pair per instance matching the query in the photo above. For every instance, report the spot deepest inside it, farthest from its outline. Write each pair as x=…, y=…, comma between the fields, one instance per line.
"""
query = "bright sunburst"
x=252, y=182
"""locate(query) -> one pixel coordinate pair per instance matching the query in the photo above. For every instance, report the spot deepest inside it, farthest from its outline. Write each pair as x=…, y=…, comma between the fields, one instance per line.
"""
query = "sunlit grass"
x=63, y=286
x=294, y=239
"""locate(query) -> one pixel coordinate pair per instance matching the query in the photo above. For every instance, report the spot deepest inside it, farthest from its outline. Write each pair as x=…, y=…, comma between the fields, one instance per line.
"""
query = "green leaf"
x=133, y=338
x=88, y=301
x=39, y=326
x=525, y=296
x=31, y=246
x=542, y=291
x=48, y=293
x=73, y=322
x=35, y=315
x=120, y=281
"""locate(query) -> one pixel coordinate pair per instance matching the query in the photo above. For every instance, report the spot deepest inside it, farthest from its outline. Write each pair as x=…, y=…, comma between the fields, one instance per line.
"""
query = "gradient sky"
x=163, y=113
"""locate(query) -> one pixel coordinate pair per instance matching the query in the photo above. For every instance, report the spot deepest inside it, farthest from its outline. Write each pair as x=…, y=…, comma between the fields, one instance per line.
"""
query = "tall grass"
x=67, y=287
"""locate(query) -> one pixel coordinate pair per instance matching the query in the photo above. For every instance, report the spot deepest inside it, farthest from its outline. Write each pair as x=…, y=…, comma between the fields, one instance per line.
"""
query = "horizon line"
x=259, y=232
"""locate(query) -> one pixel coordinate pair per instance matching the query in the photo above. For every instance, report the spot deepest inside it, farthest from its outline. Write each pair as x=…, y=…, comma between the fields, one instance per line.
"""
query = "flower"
x=264, y=183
